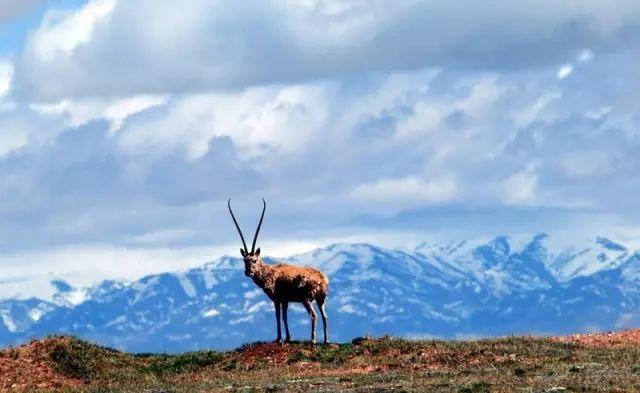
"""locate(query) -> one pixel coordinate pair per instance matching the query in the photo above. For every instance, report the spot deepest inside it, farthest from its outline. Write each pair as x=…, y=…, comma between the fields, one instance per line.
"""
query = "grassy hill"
x=580, y=363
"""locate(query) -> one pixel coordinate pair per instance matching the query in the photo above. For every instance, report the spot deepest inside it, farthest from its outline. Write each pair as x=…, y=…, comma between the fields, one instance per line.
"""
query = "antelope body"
x=284, y=284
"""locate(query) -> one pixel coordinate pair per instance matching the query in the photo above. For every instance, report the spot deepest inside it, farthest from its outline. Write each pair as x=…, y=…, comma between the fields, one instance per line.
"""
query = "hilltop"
x=601, y=362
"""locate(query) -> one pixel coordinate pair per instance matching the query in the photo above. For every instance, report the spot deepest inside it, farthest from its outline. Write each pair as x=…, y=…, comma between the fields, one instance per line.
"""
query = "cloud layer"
x=124, y=48
x=130, y=124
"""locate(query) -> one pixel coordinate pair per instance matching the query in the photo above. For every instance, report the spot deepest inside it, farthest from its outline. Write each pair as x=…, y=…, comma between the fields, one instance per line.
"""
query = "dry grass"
x=517, y=364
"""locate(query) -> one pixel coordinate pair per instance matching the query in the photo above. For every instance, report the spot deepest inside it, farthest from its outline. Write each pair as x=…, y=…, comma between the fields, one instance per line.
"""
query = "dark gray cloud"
x=147, y=47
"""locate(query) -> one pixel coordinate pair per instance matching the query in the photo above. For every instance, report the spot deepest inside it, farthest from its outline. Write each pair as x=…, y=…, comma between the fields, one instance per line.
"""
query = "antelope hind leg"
x=285, y=307
x=312, y=314
x=323, y=313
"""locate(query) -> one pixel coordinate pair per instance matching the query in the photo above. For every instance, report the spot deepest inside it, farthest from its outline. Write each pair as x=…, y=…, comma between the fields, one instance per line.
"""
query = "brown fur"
x=284, y=284
x=288, y=283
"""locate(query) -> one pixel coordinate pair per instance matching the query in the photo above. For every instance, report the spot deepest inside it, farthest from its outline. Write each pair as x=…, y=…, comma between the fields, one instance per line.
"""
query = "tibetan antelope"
x=284, y=283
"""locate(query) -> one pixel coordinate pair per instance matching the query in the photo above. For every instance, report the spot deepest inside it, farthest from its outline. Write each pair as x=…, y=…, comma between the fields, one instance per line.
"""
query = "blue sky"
x=124, y=126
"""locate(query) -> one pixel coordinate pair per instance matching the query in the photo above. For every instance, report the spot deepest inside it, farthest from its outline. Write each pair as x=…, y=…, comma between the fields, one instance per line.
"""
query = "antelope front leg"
x=277, y=305
x=312, y=314
x=285, y=307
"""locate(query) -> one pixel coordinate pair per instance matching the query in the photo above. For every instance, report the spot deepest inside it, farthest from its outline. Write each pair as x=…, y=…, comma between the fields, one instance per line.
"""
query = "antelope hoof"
x=313, y=341
x=287, y=340
x=277, y=341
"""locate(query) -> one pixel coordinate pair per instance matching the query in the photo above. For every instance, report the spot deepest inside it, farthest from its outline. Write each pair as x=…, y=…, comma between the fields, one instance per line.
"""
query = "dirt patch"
x=433, y=356
x=608, y=339
x=269, y=353
x=447, y=359
x=368, y=356
x=30, y=367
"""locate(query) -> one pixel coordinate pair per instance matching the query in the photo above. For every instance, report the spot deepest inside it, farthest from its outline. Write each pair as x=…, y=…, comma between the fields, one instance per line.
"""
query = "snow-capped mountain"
x=453, y=290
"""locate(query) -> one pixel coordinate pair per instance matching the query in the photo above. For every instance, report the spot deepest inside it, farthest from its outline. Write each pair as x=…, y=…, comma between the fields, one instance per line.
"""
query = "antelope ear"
x=242, y=252
x=258, y=252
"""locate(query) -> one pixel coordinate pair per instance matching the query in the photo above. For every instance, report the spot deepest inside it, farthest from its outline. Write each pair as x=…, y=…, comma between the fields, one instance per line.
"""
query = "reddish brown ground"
x=270, y=353
x=431, y=357
x=29, y=366
x=609, y=339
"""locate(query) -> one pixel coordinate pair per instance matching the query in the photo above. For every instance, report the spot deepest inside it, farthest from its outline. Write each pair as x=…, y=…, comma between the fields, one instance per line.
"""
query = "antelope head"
x=251, y=258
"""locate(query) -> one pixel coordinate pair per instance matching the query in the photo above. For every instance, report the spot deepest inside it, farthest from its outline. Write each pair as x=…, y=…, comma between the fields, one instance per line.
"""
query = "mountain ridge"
x=462, y=289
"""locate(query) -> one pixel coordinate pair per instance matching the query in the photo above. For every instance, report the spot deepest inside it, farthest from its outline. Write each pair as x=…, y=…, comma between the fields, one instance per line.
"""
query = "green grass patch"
x=476, y=387
x=172, y=364
x=80, y=359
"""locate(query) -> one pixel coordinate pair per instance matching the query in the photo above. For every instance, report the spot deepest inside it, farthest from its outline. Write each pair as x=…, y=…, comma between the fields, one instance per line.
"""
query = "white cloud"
x=6, y=77
x=585, y=56
x=482, y=97
x=282, y=119
x=80, y=112
x=62, y=31
x=6, y=81
x=526, y=116
x=19, y=128
x=210, y=313
x=520, y=188
x=565, y=71
x=24, y=274
x=599, y=113
x=13, y=137
x=119, y=110
x=426, y=117
x=408, y=190
x=163, y=236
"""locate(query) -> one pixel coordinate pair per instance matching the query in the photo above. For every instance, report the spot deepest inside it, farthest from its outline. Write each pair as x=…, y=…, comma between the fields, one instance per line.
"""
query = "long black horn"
x=237, y=226
x=255, y=237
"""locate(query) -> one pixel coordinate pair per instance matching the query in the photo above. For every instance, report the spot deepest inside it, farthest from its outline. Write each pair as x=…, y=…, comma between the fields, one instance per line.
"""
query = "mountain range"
x=453, y=290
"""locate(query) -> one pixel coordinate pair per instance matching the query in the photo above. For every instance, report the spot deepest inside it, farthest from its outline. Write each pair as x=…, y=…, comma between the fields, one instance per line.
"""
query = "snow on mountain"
x=602, y=254
x=67, y=295
x=467, y=288
x=17, y=316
